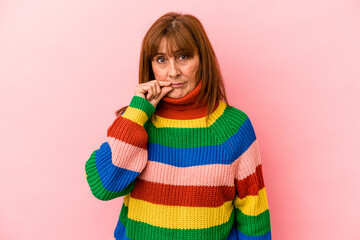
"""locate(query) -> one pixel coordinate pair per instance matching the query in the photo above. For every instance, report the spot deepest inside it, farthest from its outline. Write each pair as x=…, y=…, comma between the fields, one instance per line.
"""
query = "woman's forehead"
x=166, y=46
x=171, y=47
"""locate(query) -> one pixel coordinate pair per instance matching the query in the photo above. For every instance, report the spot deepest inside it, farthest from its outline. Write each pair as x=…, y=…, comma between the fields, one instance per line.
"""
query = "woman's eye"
x=185, y=56
x=160, y=58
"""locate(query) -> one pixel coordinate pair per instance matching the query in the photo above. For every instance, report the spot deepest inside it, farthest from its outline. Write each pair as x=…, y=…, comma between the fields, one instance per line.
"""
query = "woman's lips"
x=177, y=85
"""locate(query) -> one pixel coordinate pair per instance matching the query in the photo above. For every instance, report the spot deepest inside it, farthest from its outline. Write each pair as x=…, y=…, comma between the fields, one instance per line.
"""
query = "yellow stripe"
x=180, y=217
x=161, y=122
x=135, y=115
x=252, y=205
x=126, y=199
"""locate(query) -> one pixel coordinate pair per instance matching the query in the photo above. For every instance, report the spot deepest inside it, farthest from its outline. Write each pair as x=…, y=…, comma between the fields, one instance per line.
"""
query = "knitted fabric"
x=180, y=178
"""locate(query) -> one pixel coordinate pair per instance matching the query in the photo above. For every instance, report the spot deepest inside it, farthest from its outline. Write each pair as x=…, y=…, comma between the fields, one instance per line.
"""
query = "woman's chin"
x=173, y=94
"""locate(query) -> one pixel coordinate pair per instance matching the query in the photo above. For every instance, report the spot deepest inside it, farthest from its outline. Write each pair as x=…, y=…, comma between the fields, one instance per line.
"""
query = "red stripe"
x=128, y=131
x=184, y=115
x=192, y=196
x=251, y=184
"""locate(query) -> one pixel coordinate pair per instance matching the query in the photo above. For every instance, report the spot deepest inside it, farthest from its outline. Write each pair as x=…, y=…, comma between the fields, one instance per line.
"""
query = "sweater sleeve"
x=112, y=169
x=251, y=205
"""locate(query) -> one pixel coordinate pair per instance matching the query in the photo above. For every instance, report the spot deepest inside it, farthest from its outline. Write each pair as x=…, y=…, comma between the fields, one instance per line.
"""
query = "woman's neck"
x=182, y=108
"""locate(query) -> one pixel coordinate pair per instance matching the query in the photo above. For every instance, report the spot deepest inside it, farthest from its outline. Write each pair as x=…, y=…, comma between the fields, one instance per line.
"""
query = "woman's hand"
x=153, y=90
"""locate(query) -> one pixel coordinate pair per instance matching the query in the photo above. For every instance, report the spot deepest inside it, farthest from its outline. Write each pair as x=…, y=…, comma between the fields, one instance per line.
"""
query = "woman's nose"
x=174, y=70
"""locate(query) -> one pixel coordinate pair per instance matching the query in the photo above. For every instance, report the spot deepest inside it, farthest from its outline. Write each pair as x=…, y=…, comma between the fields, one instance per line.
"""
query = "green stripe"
x=140, y=230
x=223, y=128
x=253, y=225
x=94, y=181
x=142, y=104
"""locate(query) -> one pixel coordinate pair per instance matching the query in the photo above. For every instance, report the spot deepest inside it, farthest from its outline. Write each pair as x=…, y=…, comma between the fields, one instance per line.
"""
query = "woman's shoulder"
x=237, y=122
x=235, y=114
x=233, y=120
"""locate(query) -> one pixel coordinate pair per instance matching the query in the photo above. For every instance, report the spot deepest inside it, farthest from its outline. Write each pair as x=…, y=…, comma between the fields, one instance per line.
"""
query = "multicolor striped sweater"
x=180, y=177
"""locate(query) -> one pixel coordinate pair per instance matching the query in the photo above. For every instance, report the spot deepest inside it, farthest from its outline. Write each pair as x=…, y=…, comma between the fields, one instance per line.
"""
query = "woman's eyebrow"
x=180, y=50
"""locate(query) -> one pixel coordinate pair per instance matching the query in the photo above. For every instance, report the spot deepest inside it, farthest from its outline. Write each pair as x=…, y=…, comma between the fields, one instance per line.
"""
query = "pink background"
x=66, y=66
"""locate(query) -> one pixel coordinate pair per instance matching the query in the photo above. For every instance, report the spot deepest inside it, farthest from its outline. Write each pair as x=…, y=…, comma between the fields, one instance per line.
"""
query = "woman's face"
x=179, y=69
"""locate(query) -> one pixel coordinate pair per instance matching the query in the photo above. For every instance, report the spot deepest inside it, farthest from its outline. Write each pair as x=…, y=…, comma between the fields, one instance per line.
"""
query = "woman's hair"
x=183, y=31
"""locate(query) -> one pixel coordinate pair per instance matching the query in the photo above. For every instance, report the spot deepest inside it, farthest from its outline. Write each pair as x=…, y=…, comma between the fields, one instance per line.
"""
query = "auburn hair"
x=183, y=31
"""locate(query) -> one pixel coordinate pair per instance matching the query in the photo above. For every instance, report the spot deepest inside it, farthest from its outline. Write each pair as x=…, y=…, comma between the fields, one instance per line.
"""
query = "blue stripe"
x=186, y=157
x=214, y=154
x=241, y=140
x=120, y=232
x=242, y=236
x=113, y=178
x=233, y=233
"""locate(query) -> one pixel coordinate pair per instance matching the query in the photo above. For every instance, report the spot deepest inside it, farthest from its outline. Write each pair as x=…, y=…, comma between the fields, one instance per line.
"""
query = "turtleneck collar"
x=182, y=108
x=184, y=103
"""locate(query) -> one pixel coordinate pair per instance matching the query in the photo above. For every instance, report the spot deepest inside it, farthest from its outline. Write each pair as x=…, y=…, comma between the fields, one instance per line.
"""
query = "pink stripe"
x=125, y=155
x=204, y=175
x=246, y=164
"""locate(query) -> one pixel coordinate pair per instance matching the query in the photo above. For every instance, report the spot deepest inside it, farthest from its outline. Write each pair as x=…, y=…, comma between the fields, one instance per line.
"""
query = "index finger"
x=164, y=83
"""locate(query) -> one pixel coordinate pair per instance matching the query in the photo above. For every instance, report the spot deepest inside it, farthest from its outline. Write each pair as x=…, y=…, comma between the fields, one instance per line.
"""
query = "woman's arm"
x=251, y=206
x=112, y=169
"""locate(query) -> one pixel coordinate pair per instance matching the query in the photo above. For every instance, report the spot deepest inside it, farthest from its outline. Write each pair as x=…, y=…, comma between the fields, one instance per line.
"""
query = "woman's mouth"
x=177, y=85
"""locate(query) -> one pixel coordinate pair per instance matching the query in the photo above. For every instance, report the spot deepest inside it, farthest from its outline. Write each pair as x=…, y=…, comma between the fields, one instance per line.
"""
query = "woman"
x=187, y=163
